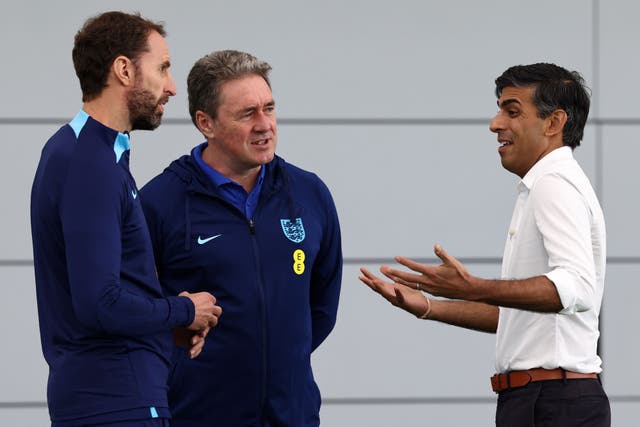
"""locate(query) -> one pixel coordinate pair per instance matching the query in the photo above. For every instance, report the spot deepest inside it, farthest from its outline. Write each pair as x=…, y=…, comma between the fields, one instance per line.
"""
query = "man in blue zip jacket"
x=261, y=235
x=105, y=325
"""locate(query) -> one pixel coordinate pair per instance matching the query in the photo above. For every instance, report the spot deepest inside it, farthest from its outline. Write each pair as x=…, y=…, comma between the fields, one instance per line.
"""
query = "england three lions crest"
x=293, y=230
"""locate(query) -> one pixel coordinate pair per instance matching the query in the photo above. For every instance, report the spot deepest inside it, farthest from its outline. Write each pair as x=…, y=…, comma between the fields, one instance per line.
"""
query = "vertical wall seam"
x=595, y=107
x=595, y=112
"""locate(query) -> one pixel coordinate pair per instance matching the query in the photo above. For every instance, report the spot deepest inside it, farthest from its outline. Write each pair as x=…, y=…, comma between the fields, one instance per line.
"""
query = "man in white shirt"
x=545, y=308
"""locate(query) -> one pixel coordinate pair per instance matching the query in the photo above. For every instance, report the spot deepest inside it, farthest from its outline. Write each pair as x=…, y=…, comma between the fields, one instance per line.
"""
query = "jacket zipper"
x=261, y=408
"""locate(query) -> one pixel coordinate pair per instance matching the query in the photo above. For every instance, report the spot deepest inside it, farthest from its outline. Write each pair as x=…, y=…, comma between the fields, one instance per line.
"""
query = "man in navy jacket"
x=105, y=326
x=262, y=235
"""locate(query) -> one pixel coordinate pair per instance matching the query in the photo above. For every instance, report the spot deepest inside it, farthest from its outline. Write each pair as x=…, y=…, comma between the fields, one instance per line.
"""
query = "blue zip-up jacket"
x=104, y=324
x=277, y=278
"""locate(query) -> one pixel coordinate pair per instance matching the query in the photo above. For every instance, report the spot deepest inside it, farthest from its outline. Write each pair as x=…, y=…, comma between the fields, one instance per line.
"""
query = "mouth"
x=261, y=142
x=161, y=103
x=503, y=144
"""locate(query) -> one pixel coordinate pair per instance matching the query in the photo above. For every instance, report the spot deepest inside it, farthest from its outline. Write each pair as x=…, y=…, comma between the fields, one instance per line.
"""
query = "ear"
x=555, y=123
x=205, y=124
x=124, y=70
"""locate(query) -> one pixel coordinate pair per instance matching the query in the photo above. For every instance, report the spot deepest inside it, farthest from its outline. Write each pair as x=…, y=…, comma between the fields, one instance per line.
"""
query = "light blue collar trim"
x=120, y=145
x=78, y=122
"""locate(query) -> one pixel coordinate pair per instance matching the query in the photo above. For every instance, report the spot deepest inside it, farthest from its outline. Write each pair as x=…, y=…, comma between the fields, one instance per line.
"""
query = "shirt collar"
x=216, y=177
x=546, y=163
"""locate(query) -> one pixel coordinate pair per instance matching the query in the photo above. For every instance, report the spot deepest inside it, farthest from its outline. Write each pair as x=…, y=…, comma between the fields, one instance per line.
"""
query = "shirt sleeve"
x=327, y=275
x=564, y=220
x=91, y=211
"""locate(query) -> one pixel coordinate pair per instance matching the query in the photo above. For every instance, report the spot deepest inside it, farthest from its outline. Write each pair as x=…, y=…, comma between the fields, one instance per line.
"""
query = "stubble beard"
x=143, y=109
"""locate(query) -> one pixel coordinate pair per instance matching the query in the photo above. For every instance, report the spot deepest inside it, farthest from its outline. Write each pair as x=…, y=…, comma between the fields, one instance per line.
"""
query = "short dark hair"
x=211, y=71
x=555, y=88
x=101, y=40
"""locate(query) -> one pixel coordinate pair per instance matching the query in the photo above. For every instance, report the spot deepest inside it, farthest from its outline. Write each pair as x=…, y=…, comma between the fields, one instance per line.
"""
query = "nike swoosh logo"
x=202, y=241
x=134, y=194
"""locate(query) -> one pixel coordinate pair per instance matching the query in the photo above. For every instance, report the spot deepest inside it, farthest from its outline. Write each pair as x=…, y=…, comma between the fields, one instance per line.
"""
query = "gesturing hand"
x=409, y=300
x=449, y=279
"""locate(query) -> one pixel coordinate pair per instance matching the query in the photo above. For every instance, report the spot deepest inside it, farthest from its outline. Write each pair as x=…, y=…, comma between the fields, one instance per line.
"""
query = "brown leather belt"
x=515, y=379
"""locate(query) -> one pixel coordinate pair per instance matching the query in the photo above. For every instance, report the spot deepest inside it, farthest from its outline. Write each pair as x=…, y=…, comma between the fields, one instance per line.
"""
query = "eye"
x=513, y=113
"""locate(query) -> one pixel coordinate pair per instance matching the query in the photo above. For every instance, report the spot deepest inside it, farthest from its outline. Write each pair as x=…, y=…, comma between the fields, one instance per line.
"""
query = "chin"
x=507, y=166
x=266, y=158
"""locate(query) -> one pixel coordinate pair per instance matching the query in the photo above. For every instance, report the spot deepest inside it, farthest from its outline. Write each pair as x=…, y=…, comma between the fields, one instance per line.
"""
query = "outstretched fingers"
x=374, y=282
x=408, y=279
x=397, y=292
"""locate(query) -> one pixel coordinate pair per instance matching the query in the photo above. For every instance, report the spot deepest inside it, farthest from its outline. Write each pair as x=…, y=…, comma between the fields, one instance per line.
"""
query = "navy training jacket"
x=277, y=278
x=105, y=326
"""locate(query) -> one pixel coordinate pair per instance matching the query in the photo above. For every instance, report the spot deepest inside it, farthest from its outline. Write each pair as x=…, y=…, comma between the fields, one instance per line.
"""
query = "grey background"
x=389, y=102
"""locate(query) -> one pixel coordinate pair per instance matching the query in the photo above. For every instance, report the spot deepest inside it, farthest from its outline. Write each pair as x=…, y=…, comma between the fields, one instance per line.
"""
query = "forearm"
x=465, y=314
x=534, y=294
x=122, y=312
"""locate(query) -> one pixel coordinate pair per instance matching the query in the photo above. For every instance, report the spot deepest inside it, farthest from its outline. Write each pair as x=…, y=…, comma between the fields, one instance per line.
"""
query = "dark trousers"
x=565, y=403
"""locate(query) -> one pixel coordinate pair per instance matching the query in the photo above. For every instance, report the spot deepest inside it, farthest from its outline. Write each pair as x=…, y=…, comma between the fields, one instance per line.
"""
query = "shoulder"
x=166, y=191
x=301, y=177
x=565, y=177
x=60, y=147
x=558, y=195
x=307, y=188
x=174, y=178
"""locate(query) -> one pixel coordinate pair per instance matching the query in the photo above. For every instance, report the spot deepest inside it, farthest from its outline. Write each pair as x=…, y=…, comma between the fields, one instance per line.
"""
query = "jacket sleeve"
x=150, y=199
x=327, y=274
x=92, y=209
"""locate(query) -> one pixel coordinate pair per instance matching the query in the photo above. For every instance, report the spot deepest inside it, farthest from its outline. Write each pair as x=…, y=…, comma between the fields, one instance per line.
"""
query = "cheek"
x=155, y=85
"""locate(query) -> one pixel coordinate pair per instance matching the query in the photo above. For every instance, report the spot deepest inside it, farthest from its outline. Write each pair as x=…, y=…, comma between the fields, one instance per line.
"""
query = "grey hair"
x=211, y=71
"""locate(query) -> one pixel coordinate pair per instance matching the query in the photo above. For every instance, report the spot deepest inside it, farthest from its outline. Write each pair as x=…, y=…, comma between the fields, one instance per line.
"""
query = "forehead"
x=157, y=48
x=519, y=95
x=245, y=91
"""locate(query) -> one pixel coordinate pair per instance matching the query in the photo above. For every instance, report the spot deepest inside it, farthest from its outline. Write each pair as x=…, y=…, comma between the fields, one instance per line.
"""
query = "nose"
x=170, y=87
x=264, y=122
x=496, y=124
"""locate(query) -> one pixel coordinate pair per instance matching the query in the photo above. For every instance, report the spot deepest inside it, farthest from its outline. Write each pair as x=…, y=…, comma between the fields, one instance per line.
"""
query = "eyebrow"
x=255, y=107
x=507, y=102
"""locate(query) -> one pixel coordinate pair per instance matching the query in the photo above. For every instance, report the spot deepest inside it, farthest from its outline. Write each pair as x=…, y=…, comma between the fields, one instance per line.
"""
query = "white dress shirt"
x=557, y=230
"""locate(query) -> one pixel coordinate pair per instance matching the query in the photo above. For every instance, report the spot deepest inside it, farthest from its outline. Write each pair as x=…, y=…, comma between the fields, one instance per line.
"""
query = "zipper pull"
x=252, y=227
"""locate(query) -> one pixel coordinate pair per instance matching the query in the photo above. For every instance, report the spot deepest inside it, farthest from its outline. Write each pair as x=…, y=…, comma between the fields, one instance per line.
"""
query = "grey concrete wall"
x=390, y=103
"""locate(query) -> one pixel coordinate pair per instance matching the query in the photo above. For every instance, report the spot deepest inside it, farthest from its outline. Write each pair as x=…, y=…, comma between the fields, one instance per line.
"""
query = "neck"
x=110, y=110
x=246, y=177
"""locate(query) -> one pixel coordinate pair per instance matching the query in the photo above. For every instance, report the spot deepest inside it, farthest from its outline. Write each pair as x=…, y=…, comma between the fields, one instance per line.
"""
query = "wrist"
x=427, y=311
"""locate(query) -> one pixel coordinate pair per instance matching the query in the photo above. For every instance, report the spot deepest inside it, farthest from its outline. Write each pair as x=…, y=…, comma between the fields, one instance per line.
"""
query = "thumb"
x=448, y=259
x=442, y=254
